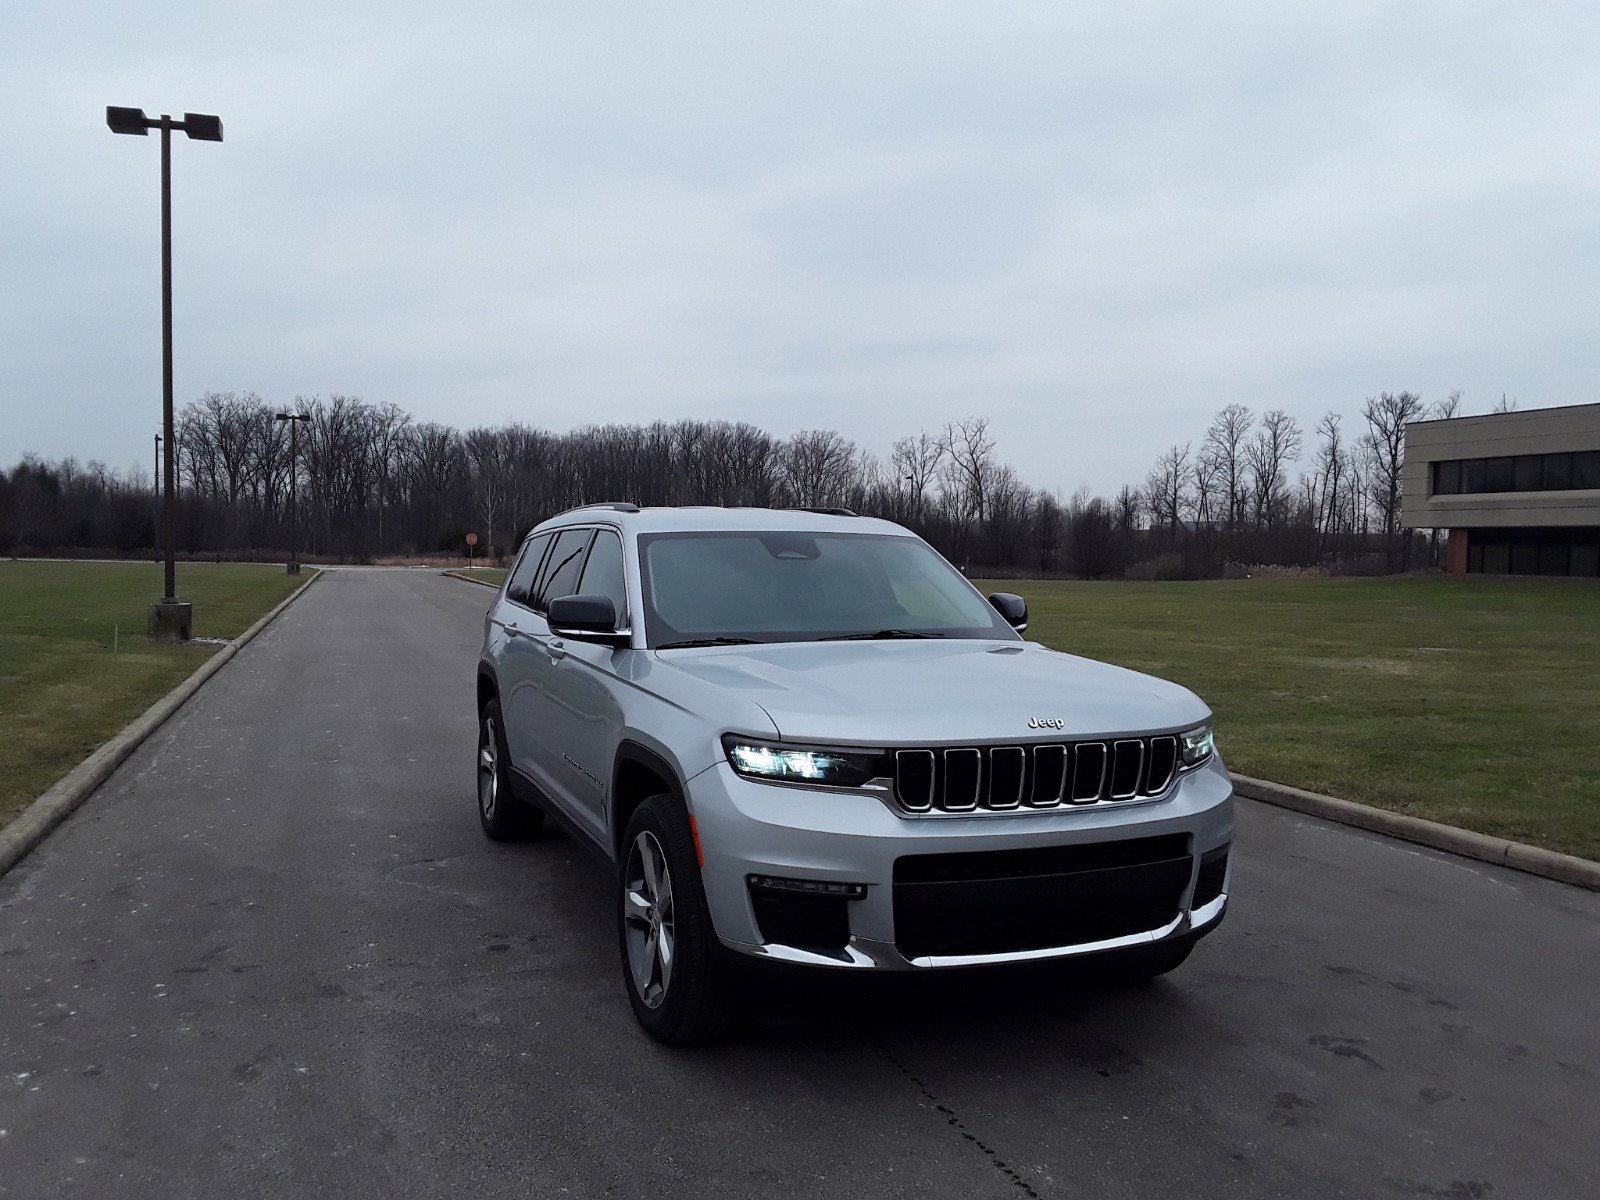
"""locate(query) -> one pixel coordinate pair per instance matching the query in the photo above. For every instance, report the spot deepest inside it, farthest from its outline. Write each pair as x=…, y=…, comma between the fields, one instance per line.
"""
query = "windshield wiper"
x=879, y=635
x=710, y=641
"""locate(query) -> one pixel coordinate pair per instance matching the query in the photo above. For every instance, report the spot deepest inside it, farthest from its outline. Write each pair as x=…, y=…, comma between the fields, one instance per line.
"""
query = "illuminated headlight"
x=1195, y=746
x=802, y=764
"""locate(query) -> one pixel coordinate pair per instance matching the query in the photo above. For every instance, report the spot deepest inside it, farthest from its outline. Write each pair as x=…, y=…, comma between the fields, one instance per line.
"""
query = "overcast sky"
x=1095, y=224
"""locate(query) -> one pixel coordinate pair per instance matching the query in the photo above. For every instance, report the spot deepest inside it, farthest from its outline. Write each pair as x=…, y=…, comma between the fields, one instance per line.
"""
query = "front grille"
x=1039, y=898
x=1048, y=775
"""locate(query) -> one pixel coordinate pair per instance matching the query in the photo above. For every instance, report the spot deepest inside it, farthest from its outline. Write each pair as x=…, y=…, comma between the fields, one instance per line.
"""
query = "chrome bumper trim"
x=867, y=954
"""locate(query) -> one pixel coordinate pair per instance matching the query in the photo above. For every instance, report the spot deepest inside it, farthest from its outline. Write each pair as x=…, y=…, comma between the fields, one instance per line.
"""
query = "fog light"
x=814, y=887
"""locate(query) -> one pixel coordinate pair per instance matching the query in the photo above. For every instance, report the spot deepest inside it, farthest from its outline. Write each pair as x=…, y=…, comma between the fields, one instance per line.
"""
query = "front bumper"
x=747, y=828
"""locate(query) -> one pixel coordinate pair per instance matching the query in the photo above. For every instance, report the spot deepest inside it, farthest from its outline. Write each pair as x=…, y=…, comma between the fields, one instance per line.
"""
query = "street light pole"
x=294, y=420
x=169, y=620
x=158, y=497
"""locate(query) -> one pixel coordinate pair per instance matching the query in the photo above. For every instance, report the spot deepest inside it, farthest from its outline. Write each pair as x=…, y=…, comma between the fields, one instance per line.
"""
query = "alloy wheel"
x=488, y=769
x=650, y=928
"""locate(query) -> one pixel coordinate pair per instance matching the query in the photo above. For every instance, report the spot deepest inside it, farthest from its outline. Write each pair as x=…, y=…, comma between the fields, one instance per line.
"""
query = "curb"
x=1534, y=860
x=470, y=579
x=34, y=823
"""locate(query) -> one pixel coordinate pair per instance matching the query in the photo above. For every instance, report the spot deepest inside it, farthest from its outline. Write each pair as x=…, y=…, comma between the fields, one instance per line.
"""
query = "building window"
x=1517, y=473
x=1573, y=551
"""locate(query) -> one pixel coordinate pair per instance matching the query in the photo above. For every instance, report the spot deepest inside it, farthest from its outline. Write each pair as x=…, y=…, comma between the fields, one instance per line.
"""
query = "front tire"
x=672, y=963
x=504, y=818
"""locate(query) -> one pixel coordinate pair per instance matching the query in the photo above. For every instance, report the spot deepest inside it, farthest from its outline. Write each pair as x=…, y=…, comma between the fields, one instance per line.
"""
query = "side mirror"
x=1013, y=608
x=587, y=619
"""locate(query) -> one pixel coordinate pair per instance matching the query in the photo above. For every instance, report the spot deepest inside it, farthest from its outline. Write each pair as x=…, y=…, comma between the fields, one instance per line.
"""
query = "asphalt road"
x=274, y=956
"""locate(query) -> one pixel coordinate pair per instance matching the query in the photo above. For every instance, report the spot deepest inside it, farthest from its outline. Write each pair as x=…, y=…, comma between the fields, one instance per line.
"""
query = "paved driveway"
x=275, y=957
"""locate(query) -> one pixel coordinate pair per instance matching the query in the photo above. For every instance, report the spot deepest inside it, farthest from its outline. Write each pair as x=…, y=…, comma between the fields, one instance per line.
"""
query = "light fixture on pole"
x=294, y=420
x=170, y=620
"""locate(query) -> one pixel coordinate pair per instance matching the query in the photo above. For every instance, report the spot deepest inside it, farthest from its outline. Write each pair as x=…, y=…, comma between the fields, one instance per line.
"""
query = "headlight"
x=802, y=764
x=1195, y=747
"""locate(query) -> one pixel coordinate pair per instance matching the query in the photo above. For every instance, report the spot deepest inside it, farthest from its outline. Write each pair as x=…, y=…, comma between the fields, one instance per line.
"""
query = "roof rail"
x=614, y=505
x=830, y=512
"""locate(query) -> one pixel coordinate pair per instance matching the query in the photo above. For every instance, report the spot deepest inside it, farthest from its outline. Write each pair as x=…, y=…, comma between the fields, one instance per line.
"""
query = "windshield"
x=790, y=587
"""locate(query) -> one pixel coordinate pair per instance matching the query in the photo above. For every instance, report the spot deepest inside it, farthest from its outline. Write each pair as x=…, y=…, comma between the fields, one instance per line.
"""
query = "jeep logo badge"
x=1045, y=723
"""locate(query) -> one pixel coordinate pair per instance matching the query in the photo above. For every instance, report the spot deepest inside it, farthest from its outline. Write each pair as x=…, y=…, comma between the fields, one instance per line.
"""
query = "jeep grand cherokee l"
x=804, y=737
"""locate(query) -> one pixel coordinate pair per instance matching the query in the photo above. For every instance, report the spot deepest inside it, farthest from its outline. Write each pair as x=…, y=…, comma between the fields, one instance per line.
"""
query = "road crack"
x=953, y=1119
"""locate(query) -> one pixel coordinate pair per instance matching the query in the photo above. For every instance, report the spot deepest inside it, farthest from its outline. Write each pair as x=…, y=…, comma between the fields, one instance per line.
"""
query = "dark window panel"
x=1500, y=475
x=1496, y=558
x=1586, y=469
x=527, y=567
x=1447, y=478
x=563, y=566
x=1525, y=558
x=1553, y=558
x=1475, y=558
x=1472, y=475
x=1557, y=472
x=1530, y=472
x=1585, y=560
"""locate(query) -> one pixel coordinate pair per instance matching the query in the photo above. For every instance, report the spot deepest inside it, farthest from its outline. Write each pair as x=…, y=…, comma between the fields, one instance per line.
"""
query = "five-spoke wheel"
x=649, y=926
x=672, y=964
x=503, y=816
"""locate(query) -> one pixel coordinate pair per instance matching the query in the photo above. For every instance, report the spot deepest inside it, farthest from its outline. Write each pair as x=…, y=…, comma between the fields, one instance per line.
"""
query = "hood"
x=898, y=692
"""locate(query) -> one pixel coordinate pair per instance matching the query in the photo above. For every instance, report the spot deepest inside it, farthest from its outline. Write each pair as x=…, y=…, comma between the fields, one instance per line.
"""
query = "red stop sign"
x=472, y=539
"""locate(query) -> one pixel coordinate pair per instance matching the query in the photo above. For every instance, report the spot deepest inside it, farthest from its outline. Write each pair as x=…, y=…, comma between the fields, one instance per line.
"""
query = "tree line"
x=372, y=481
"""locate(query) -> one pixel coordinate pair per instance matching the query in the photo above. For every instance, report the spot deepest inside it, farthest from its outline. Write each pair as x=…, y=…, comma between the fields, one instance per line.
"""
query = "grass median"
x=76, y=666
x=1475, y=702
x=490, y=575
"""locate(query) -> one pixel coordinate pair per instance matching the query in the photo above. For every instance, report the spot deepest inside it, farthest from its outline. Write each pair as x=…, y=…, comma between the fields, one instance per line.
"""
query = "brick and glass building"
x=1519, y=492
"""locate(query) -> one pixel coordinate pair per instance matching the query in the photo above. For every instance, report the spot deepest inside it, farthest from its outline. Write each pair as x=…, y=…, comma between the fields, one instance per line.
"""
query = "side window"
x=562, y=567
x=522, y=575
x=603, y=575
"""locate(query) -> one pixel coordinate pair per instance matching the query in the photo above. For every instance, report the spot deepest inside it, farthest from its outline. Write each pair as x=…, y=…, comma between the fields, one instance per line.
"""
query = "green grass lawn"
x=494, y=575
x=1470, y=701
x=62, y=689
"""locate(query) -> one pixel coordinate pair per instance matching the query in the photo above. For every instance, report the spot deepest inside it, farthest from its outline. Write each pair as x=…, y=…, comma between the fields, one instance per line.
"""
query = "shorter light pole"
x=294, y=420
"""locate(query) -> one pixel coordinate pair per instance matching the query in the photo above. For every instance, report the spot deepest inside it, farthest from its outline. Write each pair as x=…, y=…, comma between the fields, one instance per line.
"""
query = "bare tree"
x=815, y=466
x=970, y=465
x=1167, y=489
x=1224, y=450
x=1449, y=407
x=914, y=462
x=1387, y=415
x=1276, y=444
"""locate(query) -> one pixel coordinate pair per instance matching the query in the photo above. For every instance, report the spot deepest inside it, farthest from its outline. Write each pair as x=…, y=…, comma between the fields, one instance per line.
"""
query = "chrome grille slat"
x=1127, y=768
x=1162, y=749
x=1049, y=776
x=1089, y=762
x=918, y=765
x=1038, y=776
x=1003, y=762
x=960, y=795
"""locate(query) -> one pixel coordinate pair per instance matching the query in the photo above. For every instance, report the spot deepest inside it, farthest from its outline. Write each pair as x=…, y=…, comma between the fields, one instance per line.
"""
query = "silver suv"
x=804, y=737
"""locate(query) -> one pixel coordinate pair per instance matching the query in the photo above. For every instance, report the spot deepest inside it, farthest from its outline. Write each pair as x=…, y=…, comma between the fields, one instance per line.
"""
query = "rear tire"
x=504, y=818
x=672, y=964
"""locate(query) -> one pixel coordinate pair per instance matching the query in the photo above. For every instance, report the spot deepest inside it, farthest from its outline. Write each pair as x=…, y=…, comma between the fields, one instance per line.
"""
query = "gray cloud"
x=1095, y=224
